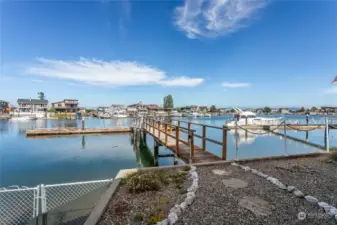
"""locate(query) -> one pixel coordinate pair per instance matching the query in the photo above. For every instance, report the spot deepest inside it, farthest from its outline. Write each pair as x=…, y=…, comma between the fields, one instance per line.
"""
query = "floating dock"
x=70, y=131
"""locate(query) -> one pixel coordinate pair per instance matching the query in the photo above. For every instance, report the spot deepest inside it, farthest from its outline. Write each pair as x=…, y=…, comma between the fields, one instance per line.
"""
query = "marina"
x=14, y=141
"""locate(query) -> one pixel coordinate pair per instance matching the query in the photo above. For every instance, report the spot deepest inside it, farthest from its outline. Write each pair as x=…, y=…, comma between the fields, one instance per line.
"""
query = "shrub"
x=138, y=217
x=141, y=181
x=155, y=219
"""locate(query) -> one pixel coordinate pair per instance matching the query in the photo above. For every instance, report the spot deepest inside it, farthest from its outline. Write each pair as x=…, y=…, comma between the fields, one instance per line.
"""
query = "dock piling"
x=326, y=135
x=224, y=142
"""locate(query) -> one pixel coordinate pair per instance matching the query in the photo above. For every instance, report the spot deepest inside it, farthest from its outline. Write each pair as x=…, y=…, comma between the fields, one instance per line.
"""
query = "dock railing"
x=159, y=125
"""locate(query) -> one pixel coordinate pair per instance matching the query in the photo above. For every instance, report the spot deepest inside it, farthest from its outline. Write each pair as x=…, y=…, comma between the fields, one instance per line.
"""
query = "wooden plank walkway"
x=70, y=131
x=200, y=155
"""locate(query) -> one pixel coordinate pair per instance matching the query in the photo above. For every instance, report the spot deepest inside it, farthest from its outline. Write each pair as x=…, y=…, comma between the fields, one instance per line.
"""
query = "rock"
x=323, y=204
x=262, y=175
x=256, y=205
x=234, y=164
x=183, y=206
x=164, y=222
x=194, y=175
x=193, y=187
x=332, y=211
x=311, y=199
x=254, y=171
x=189, y=200
x=191, y=194
x=277, y=183
x=336, y=217
x=176, y=209
x=246, y=168
x=172, y=218
x=298, y=193
x=222, y=172
x=291, y=188
x=234, y=183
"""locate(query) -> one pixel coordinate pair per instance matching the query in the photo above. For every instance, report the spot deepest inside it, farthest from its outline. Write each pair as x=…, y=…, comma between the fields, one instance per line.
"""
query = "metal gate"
x=20, y=206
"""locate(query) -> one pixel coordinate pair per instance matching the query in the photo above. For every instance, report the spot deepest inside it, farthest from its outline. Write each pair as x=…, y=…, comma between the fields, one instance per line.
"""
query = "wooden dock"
x=70, y=131
x=300, y=127
x=183, y=149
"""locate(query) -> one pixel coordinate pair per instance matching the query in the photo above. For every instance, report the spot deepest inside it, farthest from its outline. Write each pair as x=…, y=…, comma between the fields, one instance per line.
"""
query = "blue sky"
x=244, y=53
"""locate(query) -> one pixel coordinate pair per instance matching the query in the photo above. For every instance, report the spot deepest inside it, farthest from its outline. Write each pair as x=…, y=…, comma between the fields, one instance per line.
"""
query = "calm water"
x=32, y=161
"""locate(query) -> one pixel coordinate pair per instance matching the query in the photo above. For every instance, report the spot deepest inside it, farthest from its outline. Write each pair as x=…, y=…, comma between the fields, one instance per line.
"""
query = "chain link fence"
x=57, y=195
x=18, y=206
x=63, y=203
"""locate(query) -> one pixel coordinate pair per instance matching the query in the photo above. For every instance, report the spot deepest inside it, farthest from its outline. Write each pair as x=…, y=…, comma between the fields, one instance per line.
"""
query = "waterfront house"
x=203, y=109
x=284, y=110
x=67, y=105
x=32, y=105
x=4, y=108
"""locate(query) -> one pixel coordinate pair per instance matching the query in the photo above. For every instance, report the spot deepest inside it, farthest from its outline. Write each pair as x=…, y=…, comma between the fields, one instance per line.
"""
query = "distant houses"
x=284, y=110
x=32, y=105
x=4, y=106
x=67, y=105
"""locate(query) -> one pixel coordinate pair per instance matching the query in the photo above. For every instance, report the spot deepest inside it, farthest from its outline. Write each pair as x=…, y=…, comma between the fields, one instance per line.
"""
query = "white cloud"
x=331, y=90
x=182, y=81
x=37, y=81
x=212, y=18
x=235, y=85
x=109, y=73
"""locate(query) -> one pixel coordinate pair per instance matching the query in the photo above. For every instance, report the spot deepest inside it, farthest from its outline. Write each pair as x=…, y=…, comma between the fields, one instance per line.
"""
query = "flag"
x=334, y=80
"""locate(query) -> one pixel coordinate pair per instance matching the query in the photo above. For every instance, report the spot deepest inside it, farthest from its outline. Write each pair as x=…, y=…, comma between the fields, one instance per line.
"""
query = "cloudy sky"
x=225, y=52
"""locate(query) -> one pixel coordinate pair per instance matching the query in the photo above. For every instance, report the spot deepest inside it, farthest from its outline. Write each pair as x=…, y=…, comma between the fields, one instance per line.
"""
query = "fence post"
x=203, y=137
x=224, y=143
x=153, y=125
x=159, y=129
x=326, y=135
x=166, y=138
x=83, y=124
x=189, y=125
x=170, y=125
x=177, y=137
x=285, y=135
x=191, y=143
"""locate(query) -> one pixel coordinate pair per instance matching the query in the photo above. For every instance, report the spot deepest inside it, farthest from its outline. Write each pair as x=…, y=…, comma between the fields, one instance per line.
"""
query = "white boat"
x=250, y=118
x=120, y=114
x=103, y=115
x=195, y=114
x=176, y=114
x=23, y=118
x=207, y=115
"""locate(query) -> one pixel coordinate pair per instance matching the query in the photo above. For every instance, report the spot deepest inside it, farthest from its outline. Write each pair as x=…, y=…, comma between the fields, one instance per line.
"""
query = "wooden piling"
x=166, y=137
x=204, y=137
x=224, y=143
x=177, y=137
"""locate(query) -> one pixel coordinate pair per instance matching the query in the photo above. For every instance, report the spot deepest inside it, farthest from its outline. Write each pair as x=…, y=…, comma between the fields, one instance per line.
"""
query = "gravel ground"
x=217, y=204
x=124, y=206
x=313, y=176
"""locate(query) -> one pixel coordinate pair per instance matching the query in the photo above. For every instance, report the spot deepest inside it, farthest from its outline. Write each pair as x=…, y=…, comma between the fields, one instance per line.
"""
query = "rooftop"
x=34, y=101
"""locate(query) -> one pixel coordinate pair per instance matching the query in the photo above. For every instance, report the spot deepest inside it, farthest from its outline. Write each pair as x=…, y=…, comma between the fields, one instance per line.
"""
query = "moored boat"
x=23, y=118
x=249, y=118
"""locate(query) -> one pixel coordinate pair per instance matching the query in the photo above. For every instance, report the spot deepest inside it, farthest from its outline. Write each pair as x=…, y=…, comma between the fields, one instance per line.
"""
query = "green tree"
x=267, y=109
x=52, y=110
x=314, y=109
x=40, y=95
x=88, y=110
x=302, y=109
x=213, y=108
x=168, y=102
x=232, y=111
